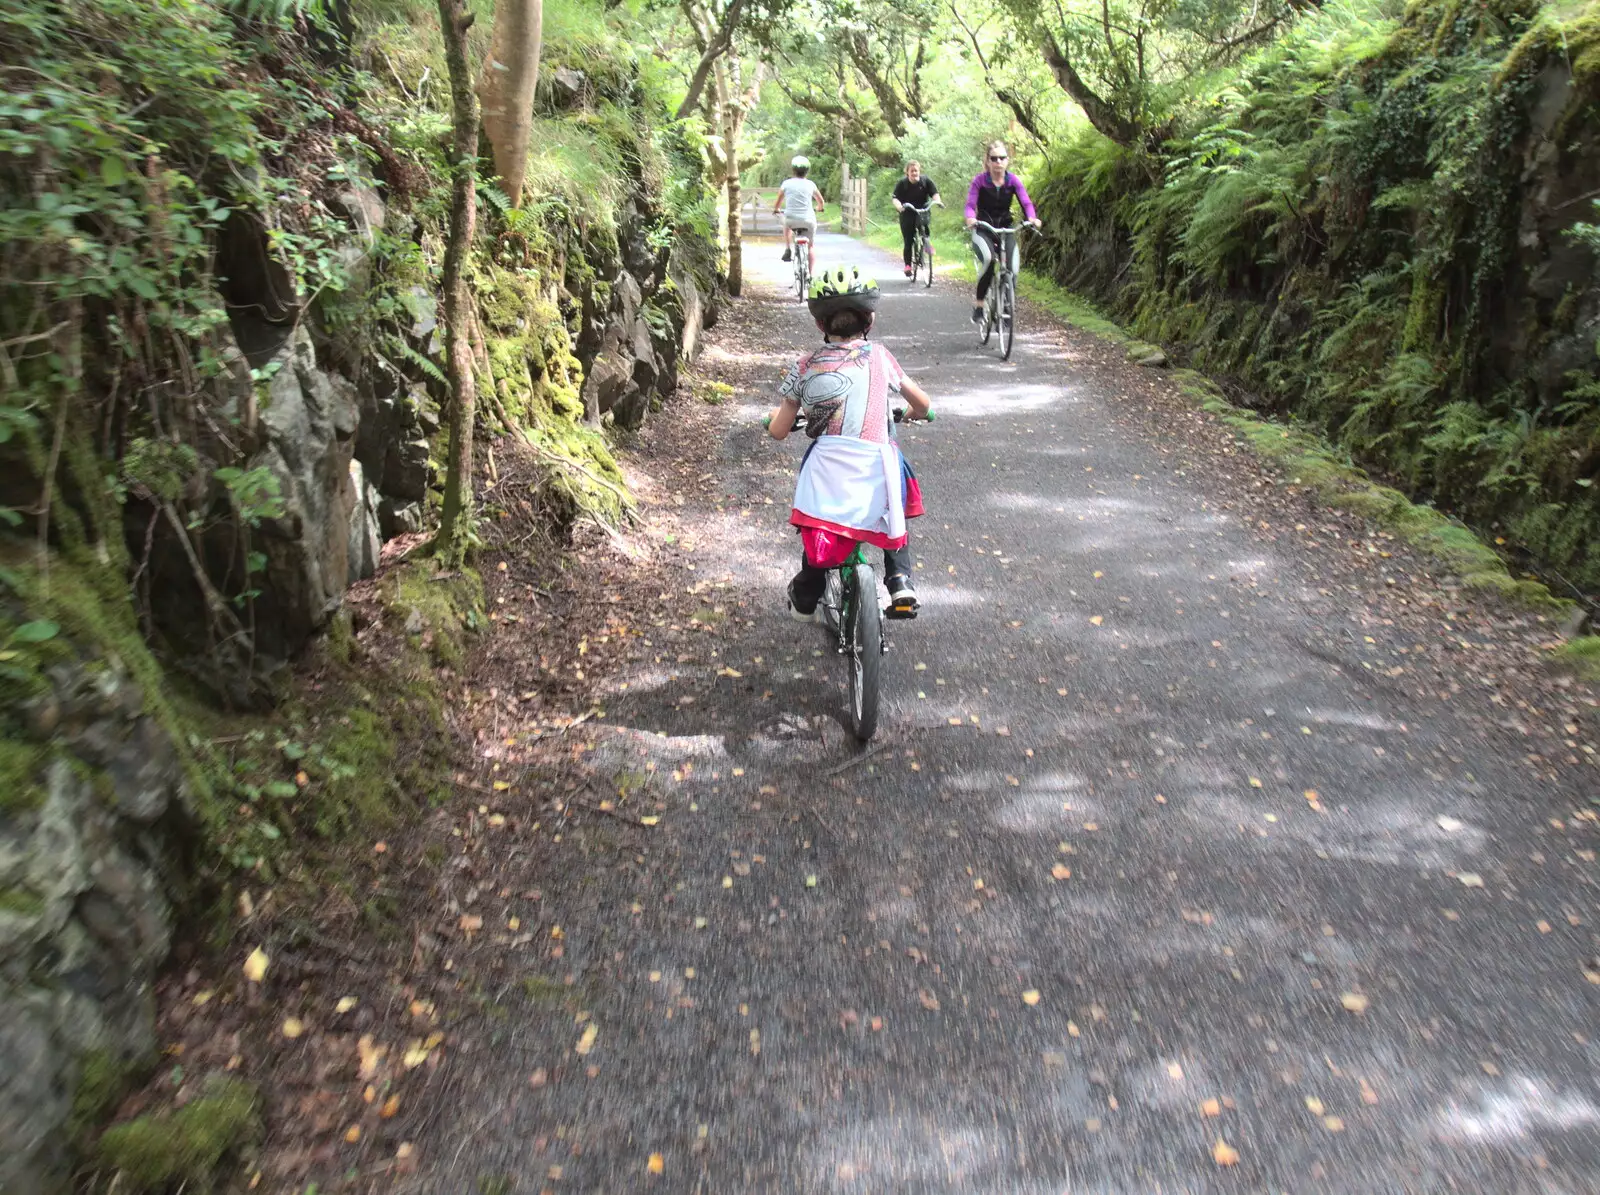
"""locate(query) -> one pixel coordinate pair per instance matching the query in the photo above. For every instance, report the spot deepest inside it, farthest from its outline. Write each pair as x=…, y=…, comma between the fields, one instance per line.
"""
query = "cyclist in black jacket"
x=913, y=191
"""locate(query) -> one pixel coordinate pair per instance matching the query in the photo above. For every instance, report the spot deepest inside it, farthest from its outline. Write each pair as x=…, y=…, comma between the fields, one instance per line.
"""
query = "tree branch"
x=715, y=48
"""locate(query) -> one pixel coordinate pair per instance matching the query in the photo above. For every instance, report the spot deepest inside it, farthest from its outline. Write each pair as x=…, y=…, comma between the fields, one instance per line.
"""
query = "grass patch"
x=163, y=1151
x=1582, y=655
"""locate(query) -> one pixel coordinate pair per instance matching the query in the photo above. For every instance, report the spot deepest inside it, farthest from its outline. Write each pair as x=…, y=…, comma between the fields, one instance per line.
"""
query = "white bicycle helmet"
x=800, y=162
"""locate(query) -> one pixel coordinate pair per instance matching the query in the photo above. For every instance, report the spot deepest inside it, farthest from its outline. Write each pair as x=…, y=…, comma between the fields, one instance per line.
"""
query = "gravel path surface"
x=1210, y=842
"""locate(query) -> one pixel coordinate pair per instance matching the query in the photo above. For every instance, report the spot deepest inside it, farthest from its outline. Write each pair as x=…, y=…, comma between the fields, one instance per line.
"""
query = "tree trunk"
x=1101, y=115
x=716, y=46
x=456, y=519
x=506, y=86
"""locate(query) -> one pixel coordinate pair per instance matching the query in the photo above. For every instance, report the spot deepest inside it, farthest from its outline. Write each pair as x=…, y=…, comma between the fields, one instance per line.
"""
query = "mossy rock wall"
x=1379, y=229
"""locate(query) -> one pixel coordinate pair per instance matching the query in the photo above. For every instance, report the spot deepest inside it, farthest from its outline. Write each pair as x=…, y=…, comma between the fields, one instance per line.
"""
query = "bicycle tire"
x=864, y=656
x=832, y=600
x=985, y=325
x=1007, y=309
x=927, y=257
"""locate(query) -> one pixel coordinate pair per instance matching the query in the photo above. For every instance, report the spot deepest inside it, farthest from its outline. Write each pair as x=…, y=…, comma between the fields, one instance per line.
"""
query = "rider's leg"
x=806, y=587
x=897, y=566
x=908, y=234
x=983, y=250
x=788, y=242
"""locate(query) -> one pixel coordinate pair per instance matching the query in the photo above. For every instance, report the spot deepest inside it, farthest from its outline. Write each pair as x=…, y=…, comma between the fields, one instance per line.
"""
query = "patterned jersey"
x=845, y=389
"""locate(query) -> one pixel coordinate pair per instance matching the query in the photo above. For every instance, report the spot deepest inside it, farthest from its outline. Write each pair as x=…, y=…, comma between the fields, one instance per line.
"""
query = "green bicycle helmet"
x=843, y=288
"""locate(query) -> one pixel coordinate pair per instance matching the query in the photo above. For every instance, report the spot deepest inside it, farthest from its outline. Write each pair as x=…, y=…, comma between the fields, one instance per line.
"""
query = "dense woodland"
x=279, y=279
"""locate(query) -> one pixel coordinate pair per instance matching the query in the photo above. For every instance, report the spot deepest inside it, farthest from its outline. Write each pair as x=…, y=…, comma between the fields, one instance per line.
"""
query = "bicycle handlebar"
x=1025, y=225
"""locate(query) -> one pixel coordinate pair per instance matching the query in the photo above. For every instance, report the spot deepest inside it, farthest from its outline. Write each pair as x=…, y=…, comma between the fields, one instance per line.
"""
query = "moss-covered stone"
x=22, y=765
x=1582, y=655
x=181, y=1150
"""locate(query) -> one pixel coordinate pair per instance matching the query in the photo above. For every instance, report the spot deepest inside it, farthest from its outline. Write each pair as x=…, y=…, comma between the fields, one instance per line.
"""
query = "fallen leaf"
x=811, y=881
x=928, y=999
x=371, y=1056
x=586, y=1043
x=1211, y=1108
x=1224, y=1154
x=1255, y=782
x=390, y=1107
x=293, y=1027
x=471, y=923
x=1313, y=1105
x=1448, y=824
x=1333, y=1124
x=346, y=1003
x=755, y=1041
x=1355, y=1002
x=405, y=1150
x=255, y=967
x=1097, y=620
x=1061, y=872
x=1030, y=997
x=353, y=1134
x=539, y=1078
x=416, y=1054
x=657, y=1163
x=1470, y=879
x=1174, y=1070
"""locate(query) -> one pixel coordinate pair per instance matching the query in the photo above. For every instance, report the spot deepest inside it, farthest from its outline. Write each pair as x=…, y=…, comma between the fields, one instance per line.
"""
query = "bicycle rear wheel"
x=832, y=600
x=1007, y=316
x=865, y=654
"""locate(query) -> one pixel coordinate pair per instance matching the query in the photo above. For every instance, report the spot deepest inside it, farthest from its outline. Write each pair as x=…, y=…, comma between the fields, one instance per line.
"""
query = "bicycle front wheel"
x=1007, y=316
x=927, y=258
x=986, y=324
x=865, y=655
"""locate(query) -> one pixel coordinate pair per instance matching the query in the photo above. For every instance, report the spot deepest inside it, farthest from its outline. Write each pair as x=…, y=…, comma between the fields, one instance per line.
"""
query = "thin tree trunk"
x=456, y=519
x=506, y=86
x=715, y=48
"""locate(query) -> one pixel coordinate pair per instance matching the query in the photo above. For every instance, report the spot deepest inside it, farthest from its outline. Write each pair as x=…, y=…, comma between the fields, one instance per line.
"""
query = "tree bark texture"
x=456, y=518
x=506, y=86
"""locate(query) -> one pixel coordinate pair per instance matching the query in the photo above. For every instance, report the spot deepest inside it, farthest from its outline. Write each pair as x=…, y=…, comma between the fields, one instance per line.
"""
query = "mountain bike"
x=850, y=610
x=802, y=265
x=921, y=245
x=1000, y=307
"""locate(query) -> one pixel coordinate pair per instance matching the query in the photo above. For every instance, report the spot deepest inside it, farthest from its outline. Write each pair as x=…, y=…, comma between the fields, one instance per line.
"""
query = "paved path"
x=1198, y=855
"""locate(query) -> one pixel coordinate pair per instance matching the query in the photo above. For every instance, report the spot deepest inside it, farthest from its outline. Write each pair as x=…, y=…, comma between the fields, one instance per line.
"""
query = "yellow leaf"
x=203, y=997
x=656, y=1164
x=416, y=1054
x=1255, y=782
x=1333, y=1124
x=649, y=821
x=513, y=924
x=1072, y=1029
x=727, y=881
x=405, y=1151
x=390, y=1107
x=928, y=999
x=1313, y=1105
x=1061, y=872
x=471, y=923
x=353, y=1134
x=1174, y=1070
x=1211, y=1108
x=255, y=967
x=1097, y=620
x=346, y=1003
x=371, y=1055
x=293, y=1027
x=1355, y=1002
x=1224, y=1154
x=591, y=1031
x=755, y=1041
x=728, y=672
x=500, y=786
x=1030, y=997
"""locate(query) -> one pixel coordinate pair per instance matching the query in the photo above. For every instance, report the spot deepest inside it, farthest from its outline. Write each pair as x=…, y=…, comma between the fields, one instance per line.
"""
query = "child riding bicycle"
x=801, y=200
x=854, y=485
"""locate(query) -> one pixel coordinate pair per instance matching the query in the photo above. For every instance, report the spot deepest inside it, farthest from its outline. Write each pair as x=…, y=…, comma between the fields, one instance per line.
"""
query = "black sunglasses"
x=997, y=157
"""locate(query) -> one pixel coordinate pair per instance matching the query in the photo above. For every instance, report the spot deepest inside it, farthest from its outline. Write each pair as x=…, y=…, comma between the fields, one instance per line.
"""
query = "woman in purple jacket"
x=989, y=200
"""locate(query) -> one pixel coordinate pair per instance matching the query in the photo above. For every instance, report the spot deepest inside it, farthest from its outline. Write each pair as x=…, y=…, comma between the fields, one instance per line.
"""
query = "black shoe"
x=903, y=601
x=796, y=613
x=977, y=313
x=787, y=255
